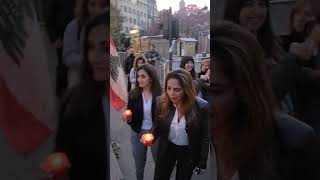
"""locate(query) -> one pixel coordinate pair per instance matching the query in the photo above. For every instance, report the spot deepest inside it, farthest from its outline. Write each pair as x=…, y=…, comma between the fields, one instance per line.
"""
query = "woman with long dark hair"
x=139, y=61
x=187, y=63
x=299, y=15
x=285, y=70
x=182, y=128
x=85, y=10
x=142, y=105
x=82, y=132
x=251, y=138
x=254, y=15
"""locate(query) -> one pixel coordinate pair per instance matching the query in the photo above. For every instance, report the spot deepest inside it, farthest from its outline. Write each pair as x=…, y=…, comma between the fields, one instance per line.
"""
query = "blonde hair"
x=204, y=62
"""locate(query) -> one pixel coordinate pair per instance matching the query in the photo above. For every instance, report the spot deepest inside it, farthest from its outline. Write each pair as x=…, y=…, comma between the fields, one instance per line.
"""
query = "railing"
x=122, y=57
x=165, y=64
x=162, y=65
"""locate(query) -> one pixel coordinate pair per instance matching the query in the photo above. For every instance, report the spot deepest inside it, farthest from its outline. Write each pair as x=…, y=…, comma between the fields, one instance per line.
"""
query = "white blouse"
x=178, y=134
x=147, y=113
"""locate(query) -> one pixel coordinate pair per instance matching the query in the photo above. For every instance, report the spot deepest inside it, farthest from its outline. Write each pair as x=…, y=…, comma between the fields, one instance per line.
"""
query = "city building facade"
x=137, y=14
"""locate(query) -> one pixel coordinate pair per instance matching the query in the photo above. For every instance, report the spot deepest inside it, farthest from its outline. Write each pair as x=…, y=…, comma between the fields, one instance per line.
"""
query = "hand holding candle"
x=56, y=164
x=127, y=114
x=147, y=139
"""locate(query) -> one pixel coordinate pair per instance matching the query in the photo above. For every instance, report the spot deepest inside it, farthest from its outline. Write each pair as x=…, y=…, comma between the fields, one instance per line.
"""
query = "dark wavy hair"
x=139, y=58
x=184, y=61
x=82, y=11
x=83, y=97
x=265, y=34
x=249, y=135
x=155, y=83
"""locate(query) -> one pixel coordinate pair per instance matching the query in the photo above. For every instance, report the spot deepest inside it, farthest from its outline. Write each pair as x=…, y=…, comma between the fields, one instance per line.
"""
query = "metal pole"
x=148, y=14
x=170, y=38
x=140, y=50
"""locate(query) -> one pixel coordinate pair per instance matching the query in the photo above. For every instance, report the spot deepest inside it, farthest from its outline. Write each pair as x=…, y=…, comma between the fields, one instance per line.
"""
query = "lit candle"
x=148, y=139
x=55, y=164
x=127, y=114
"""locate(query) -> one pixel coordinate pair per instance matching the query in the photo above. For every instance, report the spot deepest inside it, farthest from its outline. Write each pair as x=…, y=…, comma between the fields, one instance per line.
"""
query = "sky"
x=165, y=4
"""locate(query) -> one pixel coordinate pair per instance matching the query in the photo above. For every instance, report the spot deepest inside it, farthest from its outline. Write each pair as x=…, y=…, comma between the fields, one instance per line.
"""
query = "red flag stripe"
x=20, y=127
x=116, y=102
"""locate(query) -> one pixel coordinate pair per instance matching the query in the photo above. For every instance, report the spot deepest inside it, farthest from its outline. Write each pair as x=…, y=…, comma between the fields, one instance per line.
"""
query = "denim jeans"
x=139, y=152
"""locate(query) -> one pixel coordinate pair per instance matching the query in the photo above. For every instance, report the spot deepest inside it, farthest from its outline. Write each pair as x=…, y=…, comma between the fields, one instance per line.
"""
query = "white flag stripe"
x=120, y=86
x=31, y=83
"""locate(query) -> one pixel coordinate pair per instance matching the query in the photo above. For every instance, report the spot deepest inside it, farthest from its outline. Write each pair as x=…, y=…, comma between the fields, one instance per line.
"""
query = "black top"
x=292, y=37
x=82, y=136
x=306, y=99
x=296, y=151
x=128, y=64
x=60, y=13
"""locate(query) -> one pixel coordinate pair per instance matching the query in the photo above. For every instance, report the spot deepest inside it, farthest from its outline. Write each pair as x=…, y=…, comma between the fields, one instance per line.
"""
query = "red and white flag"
x=27, y=108
x=118, y=80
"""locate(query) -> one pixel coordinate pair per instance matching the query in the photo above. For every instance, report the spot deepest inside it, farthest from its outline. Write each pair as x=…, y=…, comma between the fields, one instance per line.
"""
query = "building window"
x=125, y=9
x=127, y=30
x=130, y=20
x=142, y=22
x=134, y=21
x=145, y=15
x=134, y=11
x=130, y=10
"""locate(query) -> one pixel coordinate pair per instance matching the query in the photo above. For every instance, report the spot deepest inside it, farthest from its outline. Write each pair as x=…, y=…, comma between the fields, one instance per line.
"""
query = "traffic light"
x=175, y=28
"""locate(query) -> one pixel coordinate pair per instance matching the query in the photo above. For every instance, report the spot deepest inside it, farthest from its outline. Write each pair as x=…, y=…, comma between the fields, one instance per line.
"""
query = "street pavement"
x=121, y=132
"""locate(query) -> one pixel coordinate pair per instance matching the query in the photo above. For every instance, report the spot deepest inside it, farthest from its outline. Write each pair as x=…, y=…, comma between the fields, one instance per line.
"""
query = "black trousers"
x=174, y=155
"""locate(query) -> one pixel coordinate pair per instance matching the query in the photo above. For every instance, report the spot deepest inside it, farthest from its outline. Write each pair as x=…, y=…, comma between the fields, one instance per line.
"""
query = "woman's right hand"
x=127, y=115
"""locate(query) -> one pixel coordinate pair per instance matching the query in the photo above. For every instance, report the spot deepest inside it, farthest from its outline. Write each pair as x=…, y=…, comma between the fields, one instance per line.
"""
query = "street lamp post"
x=136, y=33
x=170, y=37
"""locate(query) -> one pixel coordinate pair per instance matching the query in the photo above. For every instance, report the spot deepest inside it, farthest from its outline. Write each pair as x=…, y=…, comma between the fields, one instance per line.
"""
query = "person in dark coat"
x=307, y=96
x=299, y=15
x=82, y=131
x=251, y=138
x=60, y=13
x=182, y=127
x=128, y=65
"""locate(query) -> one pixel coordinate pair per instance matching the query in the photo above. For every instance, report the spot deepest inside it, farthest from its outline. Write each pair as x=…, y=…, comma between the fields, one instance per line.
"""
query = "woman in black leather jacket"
x=182, y=128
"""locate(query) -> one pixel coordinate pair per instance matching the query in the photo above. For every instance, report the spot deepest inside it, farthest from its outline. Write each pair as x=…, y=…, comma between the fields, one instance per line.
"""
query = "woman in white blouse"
x=182, y=128
x=142, y=105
